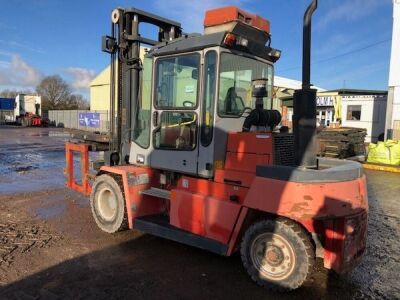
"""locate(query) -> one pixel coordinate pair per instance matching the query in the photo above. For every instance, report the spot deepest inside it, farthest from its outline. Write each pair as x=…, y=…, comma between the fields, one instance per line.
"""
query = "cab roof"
x=257, y=42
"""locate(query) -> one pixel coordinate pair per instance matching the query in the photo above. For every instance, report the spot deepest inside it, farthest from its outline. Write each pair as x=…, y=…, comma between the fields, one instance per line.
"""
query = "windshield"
x=236, y=74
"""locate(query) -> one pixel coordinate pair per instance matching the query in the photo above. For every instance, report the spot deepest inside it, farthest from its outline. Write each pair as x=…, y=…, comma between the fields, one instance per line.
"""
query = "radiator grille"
x=284, y=149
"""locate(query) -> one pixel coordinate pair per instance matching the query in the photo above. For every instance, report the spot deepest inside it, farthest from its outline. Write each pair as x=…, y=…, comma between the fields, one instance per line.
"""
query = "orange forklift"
x=196, y=156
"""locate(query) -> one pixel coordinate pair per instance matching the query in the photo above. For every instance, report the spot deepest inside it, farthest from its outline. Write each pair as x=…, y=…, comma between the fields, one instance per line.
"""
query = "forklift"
x=196, y=155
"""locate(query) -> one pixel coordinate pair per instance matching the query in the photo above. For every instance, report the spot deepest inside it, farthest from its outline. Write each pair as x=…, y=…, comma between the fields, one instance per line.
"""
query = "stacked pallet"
x=341, y=142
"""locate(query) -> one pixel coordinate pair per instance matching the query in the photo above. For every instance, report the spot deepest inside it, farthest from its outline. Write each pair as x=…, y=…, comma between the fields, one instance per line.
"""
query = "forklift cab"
x=189, y=101
x=190, y=90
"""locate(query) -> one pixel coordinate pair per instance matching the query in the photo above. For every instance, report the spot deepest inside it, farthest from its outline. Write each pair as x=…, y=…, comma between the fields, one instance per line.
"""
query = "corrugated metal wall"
x=70, y=119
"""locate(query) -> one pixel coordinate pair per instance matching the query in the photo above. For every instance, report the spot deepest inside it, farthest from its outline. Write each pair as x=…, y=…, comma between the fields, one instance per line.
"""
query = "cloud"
x=349, y=10
x=24, y=46
x=191, y=13
x=81, y=77
x=18, y=72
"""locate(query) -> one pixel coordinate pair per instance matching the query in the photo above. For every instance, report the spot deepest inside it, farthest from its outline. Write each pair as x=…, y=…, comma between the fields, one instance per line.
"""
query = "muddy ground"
x=50, y=248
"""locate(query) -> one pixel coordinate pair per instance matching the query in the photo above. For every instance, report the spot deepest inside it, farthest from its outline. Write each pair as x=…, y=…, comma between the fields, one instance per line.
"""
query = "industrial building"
x=393, y=105
x=7, y=106
x=11, y=108
x=100, y=88
x=347, y=108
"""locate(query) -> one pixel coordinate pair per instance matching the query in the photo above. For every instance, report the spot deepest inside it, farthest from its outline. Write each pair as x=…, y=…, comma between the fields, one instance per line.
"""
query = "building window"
x=354, y=113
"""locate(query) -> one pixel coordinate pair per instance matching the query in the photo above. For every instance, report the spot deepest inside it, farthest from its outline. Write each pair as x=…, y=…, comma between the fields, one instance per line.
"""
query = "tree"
x=55, y=92
x=13, y=93
x=77, y=101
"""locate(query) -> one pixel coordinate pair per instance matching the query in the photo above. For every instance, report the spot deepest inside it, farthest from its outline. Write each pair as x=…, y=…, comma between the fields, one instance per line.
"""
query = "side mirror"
x=195, y=74
x=108, y=44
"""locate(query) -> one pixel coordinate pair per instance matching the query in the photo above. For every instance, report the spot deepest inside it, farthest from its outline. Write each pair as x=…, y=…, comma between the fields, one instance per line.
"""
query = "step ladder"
x=159, y=225
x=156, y=192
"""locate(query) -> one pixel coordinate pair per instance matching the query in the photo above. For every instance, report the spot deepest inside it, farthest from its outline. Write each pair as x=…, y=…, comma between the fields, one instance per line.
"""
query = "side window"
x=177, y=79
x=142, y=117
x=208, y=98
x=177, y=131
x=235, y=80
x=353, y=112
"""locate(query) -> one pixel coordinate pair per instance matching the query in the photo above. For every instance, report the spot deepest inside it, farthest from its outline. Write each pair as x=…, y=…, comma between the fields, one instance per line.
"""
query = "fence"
x=6, y=116
x=97, y=120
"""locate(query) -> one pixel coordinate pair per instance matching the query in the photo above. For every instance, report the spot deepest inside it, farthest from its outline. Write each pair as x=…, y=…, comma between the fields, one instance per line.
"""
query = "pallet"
x=341, y=142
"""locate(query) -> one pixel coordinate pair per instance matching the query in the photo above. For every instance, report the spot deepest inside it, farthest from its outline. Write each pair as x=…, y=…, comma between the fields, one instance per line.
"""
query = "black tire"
x=286, y=252
x=107, y=202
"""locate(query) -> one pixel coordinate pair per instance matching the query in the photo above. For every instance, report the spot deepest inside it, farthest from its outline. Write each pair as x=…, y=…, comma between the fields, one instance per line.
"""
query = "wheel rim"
x=273, y=256
x=107, y=204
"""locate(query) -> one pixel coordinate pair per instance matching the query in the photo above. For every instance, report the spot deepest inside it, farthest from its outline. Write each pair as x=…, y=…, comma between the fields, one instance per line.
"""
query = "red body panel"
x=245, y=162
x=231, y=13
x=305, y=201
x=248, y=142
x=203, y=215
x=322, y=208
x=136, y=179
x=241, y=178
x=335, y=211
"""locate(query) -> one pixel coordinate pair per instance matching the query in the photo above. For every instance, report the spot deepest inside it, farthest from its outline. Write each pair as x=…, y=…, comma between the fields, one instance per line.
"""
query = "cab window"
x=177, y=131
x=208, y=98
x=235, y=77
x=177, y=82
x=141, y=132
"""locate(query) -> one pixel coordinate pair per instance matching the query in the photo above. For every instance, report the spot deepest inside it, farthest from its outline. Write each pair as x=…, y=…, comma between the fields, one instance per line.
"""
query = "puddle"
x=59, y=134
x=34, y=160
x=24, y=169
x=27, y=161
x=55, y=205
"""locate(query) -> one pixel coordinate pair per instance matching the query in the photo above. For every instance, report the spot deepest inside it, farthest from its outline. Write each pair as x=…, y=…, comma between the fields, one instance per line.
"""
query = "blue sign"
x=89, y=119
x=7, y=103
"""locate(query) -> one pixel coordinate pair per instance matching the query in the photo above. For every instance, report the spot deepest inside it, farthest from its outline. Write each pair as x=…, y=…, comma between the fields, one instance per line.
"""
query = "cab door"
x=175, y=117
x=207, y=141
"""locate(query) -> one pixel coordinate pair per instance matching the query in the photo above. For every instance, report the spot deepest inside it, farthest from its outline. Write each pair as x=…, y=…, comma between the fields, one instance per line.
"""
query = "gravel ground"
x=50, y=248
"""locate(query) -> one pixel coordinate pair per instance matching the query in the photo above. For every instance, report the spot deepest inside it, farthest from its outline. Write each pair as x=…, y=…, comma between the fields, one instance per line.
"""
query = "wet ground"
x=31, y=159
x=50, y=248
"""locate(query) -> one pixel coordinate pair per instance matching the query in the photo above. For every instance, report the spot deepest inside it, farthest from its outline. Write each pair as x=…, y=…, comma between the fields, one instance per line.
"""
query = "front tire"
x=277, y=254
x=107, y=202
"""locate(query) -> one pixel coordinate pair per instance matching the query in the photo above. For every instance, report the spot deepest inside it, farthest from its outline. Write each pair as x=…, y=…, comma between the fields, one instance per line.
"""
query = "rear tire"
x=107, y=202
x=277, y=254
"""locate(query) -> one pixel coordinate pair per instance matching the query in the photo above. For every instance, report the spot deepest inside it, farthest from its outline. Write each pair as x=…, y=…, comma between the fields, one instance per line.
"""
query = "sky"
x=351, y=39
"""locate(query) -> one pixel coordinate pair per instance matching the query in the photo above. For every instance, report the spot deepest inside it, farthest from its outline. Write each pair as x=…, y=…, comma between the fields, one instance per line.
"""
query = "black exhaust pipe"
x=304, y=103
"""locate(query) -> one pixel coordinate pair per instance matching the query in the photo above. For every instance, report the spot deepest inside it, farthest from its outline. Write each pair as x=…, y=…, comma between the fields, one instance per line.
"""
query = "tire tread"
x=303, y=236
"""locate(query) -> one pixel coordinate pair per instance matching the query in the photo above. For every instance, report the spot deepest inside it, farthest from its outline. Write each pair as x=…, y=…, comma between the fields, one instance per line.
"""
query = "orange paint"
x=137, y=204
x=217, y=209
x=83, y=149
x=228, y=14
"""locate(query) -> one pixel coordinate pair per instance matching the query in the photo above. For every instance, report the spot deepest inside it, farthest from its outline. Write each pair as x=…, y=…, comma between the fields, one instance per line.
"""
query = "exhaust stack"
x=304, y=104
